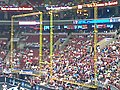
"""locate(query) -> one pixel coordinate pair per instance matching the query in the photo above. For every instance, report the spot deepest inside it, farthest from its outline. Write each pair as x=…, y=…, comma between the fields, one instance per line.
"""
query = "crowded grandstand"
x=59, y=45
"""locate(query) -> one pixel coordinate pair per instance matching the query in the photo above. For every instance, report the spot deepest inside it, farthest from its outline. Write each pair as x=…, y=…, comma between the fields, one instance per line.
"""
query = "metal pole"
x=28, y=14
x=95, y=44
x=76, y=83
x=11, y=42
x=41, y=43
x=12, y=32
x=51, y=42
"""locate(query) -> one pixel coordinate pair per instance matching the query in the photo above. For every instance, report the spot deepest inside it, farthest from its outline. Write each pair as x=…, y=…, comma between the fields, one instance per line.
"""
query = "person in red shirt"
x=108, y=88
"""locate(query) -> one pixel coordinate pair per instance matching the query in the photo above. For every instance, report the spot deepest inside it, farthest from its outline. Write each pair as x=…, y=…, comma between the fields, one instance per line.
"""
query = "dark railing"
x=23, y=84
x=28, y=86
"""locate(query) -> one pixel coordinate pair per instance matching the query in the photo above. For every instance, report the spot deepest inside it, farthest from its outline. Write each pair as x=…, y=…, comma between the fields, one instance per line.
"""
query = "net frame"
x=51, y=46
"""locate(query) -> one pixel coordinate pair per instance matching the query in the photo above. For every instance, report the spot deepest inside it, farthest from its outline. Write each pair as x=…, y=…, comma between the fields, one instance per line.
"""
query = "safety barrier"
x=27, y=85
x=23, y=83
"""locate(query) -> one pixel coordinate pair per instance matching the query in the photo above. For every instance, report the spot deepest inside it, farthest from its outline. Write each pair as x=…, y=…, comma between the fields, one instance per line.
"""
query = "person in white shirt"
x=4, y=86
x=106, y=81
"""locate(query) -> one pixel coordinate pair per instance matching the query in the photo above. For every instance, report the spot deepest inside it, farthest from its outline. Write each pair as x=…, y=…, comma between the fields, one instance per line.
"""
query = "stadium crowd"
x=73, y=53
x=73, y=61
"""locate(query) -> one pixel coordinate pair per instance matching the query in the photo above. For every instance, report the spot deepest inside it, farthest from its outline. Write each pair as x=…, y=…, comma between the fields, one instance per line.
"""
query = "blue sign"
x=93, y=21
x=98, y=21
